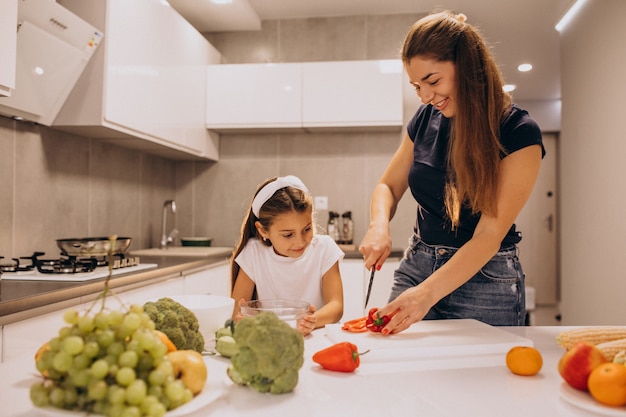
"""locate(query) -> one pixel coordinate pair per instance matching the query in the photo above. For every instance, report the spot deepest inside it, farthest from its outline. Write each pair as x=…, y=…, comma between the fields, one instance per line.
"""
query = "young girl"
x=279, y=256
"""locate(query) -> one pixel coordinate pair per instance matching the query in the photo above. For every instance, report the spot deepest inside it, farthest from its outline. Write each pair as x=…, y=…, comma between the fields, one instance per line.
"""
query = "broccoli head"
x=269, y=354
x=178, y=322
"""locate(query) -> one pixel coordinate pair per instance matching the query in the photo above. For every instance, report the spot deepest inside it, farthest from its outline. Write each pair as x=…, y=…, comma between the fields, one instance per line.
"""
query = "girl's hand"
x=376, y=246
x=307, y=323
x=238, y=316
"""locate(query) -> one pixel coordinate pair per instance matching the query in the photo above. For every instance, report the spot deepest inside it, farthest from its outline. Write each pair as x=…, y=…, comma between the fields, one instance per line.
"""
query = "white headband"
x=268, y=191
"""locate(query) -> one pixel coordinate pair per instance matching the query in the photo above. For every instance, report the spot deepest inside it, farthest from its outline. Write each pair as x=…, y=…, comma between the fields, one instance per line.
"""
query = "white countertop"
x=480, y=389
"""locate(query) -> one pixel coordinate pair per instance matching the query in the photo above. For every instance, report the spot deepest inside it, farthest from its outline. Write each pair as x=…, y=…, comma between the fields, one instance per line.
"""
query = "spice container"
x=347, y=228
x=333, y=227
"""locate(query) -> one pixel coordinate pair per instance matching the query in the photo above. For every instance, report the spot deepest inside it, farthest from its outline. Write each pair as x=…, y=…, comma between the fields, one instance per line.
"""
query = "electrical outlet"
x=321, y=203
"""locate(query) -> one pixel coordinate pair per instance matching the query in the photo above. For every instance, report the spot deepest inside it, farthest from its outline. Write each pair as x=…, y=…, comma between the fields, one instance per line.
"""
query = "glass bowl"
x=289, y=311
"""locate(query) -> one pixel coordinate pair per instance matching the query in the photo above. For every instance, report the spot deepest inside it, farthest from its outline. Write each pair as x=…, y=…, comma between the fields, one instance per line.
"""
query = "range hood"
x=53, y=48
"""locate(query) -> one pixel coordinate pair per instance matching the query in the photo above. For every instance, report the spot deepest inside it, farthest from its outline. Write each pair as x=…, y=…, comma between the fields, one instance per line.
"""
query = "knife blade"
x=369, y=287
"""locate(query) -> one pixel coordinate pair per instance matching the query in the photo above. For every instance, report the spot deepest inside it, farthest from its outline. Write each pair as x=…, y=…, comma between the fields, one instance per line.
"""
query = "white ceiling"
x=520, y=31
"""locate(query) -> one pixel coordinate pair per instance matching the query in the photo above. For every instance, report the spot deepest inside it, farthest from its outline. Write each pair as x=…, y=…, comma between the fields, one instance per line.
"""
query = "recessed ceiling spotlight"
x=509, y=87
x=221, y=1
x=524, y=67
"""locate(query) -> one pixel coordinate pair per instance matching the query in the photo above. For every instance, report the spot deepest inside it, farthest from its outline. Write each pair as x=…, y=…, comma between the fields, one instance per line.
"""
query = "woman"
x=471, y=159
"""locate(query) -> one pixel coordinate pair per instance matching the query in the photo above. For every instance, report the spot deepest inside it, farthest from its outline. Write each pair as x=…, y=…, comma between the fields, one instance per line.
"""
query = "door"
x=538, y=224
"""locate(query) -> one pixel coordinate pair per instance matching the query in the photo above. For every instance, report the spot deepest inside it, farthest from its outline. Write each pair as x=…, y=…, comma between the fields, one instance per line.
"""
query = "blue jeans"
x=495, y=295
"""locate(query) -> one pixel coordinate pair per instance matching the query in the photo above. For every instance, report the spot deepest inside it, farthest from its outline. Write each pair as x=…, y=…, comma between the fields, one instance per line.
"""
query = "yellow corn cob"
x=592, y=335
x=620, y=357
x=612, y=348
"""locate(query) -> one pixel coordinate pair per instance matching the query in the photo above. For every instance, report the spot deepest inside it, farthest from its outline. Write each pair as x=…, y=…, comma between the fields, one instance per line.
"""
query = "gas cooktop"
x=98, y=272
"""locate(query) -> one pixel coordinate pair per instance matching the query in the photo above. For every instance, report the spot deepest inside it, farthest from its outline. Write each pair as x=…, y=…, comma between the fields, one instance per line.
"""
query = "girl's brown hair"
x=474, y=148
x=284, y=200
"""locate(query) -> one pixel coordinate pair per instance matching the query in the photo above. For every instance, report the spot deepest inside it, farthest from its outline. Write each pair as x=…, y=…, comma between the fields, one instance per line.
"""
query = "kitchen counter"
x=470, y=390
x=20, y=300
x=24, y=299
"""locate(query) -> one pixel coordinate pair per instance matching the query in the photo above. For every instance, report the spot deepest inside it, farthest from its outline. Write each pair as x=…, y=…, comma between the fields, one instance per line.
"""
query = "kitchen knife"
x=369, y=287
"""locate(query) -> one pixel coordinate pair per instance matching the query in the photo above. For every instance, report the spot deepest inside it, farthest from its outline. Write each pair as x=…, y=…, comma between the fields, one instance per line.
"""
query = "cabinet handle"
x=549, y=221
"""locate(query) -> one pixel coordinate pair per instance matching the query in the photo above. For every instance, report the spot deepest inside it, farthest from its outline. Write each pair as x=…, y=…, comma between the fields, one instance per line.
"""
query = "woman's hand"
x=307, y=323
x=376, y=246
x=410, y=307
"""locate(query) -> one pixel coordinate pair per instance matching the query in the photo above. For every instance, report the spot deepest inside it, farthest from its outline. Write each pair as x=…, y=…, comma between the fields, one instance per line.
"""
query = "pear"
x=189, y=366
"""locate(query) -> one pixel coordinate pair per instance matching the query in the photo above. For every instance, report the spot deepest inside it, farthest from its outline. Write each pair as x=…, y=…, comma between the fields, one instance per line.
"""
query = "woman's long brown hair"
x=474, y=148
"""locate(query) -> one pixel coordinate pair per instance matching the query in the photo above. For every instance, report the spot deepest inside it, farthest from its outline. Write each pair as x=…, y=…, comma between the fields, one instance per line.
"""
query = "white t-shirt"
x=282, y=277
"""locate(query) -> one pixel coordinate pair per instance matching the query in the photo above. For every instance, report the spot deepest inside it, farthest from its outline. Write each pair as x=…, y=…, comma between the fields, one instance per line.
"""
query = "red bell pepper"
x=341, y=357
x=375, y=322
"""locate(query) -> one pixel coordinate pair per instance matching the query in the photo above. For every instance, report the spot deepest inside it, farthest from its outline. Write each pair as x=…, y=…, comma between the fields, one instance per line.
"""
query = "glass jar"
x=347, y=228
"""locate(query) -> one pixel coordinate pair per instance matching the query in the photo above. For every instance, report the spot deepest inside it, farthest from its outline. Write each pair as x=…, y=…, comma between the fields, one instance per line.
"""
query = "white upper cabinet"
x=306, y=96
x=250, y=96
x=146, y=86
x=8, y=45
x=352, y=94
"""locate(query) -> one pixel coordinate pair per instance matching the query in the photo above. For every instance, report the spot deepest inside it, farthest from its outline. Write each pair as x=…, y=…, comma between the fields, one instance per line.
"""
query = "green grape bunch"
x=110, y=363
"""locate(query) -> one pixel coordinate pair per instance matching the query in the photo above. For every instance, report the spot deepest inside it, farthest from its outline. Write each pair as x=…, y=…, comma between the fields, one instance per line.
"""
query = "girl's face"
x=290, y=233
x=434, y=82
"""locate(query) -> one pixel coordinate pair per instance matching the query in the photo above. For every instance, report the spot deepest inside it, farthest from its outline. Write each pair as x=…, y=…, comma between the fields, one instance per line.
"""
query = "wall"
x=342, y=166
x=55, y=185
x=592, y=171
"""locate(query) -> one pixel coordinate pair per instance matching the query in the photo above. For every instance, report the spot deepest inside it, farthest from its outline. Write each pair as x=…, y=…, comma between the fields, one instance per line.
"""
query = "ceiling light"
x=221, y=1
x=524, y=67
x=509, y=87
x=569, y=15
x=38, y=70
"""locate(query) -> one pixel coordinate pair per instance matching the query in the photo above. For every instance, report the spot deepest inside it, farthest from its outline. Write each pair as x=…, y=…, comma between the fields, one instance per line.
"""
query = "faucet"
x=167, y=239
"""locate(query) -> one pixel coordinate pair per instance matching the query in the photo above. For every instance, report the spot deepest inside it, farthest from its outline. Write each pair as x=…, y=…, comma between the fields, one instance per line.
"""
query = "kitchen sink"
x=189, y=251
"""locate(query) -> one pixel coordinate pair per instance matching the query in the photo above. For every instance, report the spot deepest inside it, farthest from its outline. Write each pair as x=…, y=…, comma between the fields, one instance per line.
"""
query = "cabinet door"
x=352, y=94
x=214, y=280
x=8, y=45
x=253, y=96
x=145, y=87
x=171, y=286
x=353, y=279
x=26, y=336
x=155, y=72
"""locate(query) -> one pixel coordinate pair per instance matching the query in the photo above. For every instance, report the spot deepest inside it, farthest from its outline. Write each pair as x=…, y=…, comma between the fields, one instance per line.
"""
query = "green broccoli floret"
x=178, y=322
x=269, y=354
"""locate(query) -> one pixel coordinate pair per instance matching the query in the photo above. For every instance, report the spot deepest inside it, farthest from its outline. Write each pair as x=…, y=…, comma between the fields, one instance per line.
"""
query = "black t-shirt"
x=430, y=132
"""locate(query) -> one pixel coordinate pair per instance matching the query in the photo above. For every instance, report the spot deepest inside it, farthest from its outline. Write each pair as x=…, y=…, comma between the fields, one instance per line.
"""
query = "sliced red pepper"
x=375, y=322
x=340, y=357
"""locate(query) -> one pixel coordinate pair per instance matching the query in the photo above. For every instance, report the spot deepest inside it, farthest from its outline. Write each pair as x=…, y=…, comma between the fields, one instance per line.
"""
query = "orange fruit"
x=41, y=350
x=607, y=384
x=171, y=347
x=524, y=360
x=44, y=348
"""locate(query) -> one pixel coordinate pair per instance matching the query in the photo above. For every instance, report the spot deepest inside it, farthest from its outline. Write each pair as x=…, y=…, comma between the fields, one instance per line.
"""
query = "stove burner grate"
x=17, y=266
x=66, y=265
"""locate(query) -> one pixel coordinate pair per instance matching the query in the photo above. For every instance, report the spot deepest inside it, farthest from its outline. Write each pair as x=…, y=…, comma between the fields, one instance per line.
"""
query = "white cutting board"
x=431, y=339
